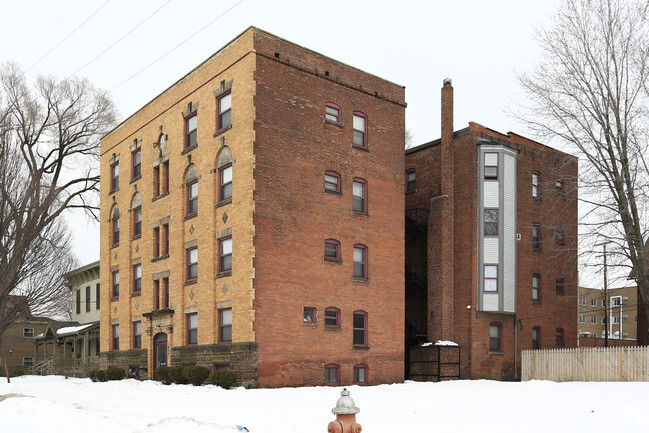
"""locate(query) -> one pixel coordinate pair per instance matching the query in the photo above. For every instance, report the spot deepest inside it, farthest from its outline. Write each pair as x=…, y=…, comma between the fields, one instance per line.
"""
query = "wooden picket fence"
x=592, y=364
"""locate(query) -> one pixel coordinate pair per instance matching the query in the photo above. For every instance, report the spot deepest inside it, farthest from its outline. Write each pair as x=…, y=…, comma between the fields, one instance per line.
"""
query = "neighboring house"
x=72, y=348
x=491, y=251
x=620, y=319
x=17, y=348
x=252, y=220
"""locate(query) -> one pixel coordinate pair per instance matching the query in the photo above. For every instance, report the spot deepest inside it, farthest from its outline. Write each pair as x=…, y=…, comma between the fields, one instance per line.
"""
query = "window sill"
x=536, y=302
x=189, y=149
x=363, y=148
x=223, y=202
x=331, y=122
x=360, y=280
x=539, y=199
x=332, y=328
x=135, y=179
x=190, y=216
x=114, y=245
x=164, y=194
x=114, y=298
x=136, y=237
x=222, y=130
x=223, y=274
x=136, y=294
x=497, y=353
x=113, y=191
x=157, y=259
x=331, y=191
x=332, y=260
x=360, y=214
x=309, y=324
x=190, y=282
x=412, y=191
x=360, y=347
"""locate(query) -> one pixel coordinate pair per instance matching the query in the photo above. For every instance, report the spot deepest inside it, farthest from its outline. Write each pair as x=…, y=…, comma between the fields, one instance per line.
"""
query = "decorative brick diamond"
x=225, y=217
x=115, y=310
x=137, y=248
x=137, y=305
x=115, y=256
x=191, y=229
x=224, y=289
x=191, y=295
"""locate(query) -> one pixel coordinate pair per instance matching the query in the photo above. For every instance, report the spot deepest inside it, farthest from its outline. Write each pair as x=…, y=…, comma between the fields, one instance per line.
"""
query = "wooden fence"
x=593, y=364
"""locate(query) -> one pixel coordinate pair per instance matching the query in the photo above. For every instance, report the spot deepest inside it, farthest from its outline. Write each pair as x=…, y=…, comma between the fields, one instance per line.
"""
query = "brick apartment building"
x=491, y=226
x=621, y=319
x=252, y=219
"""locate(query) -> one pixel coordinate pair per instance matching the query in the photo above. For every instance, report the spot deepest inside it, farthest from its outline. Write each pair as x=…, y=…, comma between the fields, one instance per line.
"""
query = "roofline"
x=456, y=134
x=81, y=269
x=223, y=48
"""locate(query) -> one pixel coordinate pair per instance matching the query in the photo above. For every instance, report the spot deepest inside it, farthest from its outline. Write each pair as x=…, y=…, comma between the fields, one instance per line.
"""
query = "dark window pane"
x=359, y=336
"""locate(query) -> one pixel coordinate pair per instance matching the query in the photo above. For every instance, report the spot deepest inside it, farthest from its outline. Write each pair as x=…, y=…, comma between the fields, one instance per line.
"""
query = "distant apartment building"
x=491, y=251
x=252, y=220
x=617, y=314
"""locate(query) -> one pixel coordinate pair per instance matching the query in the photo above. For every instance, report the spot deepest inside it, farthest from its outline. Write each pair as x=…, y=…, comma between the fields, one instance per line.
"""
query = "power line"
x=119, y=40
x=176, y=47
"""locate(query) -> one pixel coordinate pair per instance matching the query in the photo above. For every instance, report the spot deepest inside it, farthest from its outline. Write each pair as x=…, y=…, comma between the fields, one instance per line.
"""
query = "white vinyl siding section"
x=509, y=234
x=490, y=302
x=491, y=194
x=490, y=253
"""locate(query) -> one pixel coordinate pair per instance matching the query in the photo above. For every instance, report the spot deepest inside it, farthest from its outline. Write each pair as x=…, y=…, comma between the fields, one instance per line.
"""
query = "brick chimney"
x=441, y=264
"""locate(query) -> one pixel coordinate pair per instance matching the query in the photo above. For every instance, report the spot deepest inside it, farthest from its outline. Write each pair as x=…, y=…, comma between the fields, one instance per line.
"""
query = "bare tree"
x=590, y=92
x=49, y=152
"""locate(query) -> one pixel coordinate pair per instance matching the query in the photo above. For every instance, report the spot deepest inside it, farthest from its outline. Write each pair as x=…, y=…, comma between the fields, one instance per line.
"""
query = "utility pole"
x=606, y=318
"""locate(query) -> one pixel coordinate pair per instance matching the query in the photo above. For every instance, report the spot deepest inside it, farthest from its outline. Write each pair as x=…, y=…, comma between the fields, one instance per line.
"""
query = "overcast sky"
x=479, y=44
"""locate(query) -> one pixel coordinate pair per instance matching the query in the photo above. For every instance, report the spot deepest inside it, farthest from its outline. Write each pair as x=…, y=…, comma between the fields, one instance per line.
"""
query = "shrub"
x=101, y=375
x=223, y=378
x=115, y=373
x=197, y=374
x=177, y=374
x=162, y=374
x=92, y=375
x=17, y=373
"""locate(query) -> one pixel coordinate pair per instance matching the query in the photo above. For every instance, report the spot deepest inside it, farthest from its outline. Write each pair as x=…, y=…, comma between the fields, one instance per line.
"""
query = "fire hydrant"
x=345, y=412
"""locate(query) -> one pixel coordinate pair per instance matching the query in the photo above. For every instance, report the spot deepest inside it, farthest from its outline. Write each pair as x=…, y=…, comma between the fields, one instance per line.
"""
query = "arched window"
x=114, y=218
x=359, y=125
x=331, y=374
x=224, y=168
x=359, y=325
x=536, y=337
x=331, y=181
x=360, y=261
x=360, y=374
x=332, y=317
x=333, y=113
x=136, y=206
x=331, y=249
x=359, y=195
x=411, y=180
x=495, y=337
x=536, y=287
x=191, y=185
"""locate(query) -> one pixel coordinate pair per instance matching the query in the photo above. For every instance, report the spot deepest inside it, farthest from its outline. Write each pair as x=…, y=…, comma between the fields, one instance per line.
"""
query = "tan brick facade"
x=623, y=315
x=277, y=218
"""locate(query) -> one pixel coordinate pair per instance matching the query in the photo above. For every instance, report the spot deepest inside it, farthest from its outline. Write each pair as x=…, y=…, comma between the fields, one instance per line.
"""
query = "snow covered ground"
x=53, y=404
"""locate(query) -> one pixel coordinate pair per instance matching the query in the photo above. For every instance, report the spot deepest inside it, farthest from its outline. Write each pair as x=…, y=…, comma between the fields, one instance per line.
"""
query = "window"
x=359, y=192
x=582, y=318
x=225, y=254
x=559, y=288
x=156, y=181
x=165, y=245
x=332, y=113
x=616, y=301
x=161, y=179
x=165, y=292
x=559, y=237
x=490, y=165
x=559, y=337
x=558, y=187
x=411, y=180
x=192, y=328
x=116, y=284
x=331, y=249
x=495, y=343
x=309, y=315
x=28, y=332
x=536, y=191
x=156, y=294
x=582, y=300
x=115, y=230
x=114, y=176
x=78, y=301
x=192, y=264
x=360, y=129
x=136, y=157
x=615, y=320
x=491, y=278
x=536, y=237
x=192, y=197
x=332, y=318
x=156, y=242
x=137, y=278
x=536, y=287
x=360, y=328
x=137, y=335
x=137, y=221
x=97, y=296
x=225, y=182
x=115, y=337
x=360, y=374
x=332, y=181
x=593, y=320
x=165, y=177
x=224, y=104
x=360, y=262
x=593, y=302
x=491, y=222
x=191, y=125
x=536, y=337
x=28, y=361
x=161, y=241
x=87, y=298
x=331, y=374
x=225, y=325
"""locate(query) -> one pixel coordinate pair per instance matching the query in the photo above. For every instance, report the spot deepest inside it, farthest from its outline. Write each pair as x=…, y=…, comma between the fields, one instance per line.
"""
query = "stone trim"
x=163, y=158
x=191, y=244
x=136, y=145
x=224, y=304
x=161, y=275
x=161, y=221
x=191, y=309
x=224, y=233
x=223, y=88
x=191, y=109
x=136, y=261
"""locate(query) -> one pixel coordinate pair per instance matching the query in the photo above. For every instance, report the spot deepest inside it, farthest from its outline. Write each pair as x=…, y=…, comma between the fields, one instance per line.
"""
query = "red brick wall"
x=293, y=216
